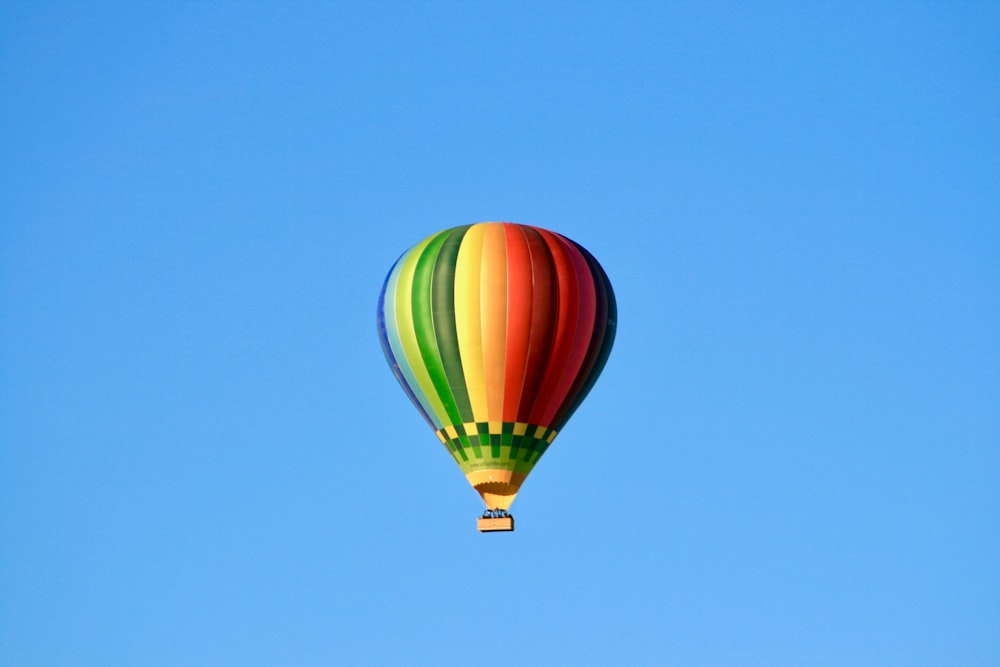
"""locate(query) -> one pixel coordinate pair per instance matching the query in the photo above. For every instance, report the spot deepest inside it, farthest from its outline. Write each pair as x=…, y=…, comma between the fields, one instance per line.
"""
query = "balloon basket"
x=493, y=521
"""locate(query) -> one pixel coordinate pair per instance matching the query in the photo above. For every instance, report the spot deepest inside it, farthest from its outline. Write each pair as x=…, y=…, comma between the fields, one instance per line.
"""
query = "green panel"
x=516, y=442
x=445, y=330
x=472, y=442
x=410, y=360
x=423, y=326
x=500, y=451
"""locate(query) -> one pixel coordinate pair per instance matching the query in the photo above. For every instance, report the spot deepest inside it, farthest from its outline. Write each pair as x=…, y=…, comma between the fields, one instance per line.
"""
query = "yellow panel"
x=468, y=323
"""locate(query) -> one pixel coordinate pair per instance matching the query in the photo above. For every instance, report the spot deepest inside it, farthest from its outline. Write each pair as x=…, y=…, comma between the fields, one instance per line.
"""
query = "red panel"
x=582, y=334
x=566, y=317
x=518, y=318
x=544, y=302
x=600, y=331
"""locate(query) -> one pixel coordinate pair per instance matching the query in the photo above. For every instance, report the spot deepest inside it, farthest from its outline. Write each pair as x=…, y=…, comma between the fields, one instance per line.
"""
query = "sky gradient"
x=205, y=460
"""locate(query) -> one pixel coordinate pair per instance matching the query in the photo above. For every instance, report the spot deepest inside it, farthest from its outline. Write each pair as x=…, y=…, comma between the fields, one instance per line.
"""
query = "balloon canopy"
x=496, y=331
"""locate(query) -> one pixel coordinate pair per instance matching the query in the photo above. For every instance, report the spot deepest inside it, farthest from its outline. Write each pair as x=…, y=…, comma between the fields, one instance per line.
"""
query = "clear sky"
x=204, y=459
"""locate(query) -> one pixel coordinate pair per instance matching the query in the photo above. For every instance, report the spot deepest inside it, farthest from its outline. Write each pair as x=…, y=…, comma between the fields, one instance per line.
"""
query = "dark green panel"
x=445, y=329
x=472, y=442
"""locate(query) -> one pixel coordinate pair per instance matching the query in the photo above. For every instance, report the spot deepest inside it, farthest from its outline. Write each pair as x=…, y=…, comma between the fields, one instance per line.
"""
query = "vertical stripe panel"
x=605, y=323
x=494, y=316
x=423, y=325
x=409, y=347
x=443, y=311
x=580, y=340
x=544, y=302
x=389, y=338
x=566, y=322
x=518, y=319
x=468, y=324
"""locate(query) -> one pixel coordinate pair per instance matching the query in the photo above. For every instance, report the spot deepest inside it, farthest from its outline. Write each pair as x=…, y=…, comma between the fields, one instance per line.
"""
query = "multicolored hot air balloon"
x=496, y=331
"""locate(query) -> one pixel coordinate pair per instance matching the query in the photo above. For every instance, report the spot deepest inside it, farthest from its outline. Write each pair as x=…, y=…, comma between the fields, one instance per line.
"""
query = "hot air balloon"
x=496, y=331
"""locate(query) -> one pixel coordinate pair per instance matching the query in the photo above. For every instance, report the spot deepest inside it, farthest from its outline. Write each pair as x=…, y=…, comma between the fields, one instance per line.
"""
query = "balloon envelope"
x=496, y=331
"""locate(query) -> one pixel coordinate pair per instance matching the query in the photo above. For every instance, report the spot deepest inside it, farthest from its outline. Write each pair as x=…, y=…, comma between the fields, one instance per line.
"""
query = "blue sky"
x=204, y=459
